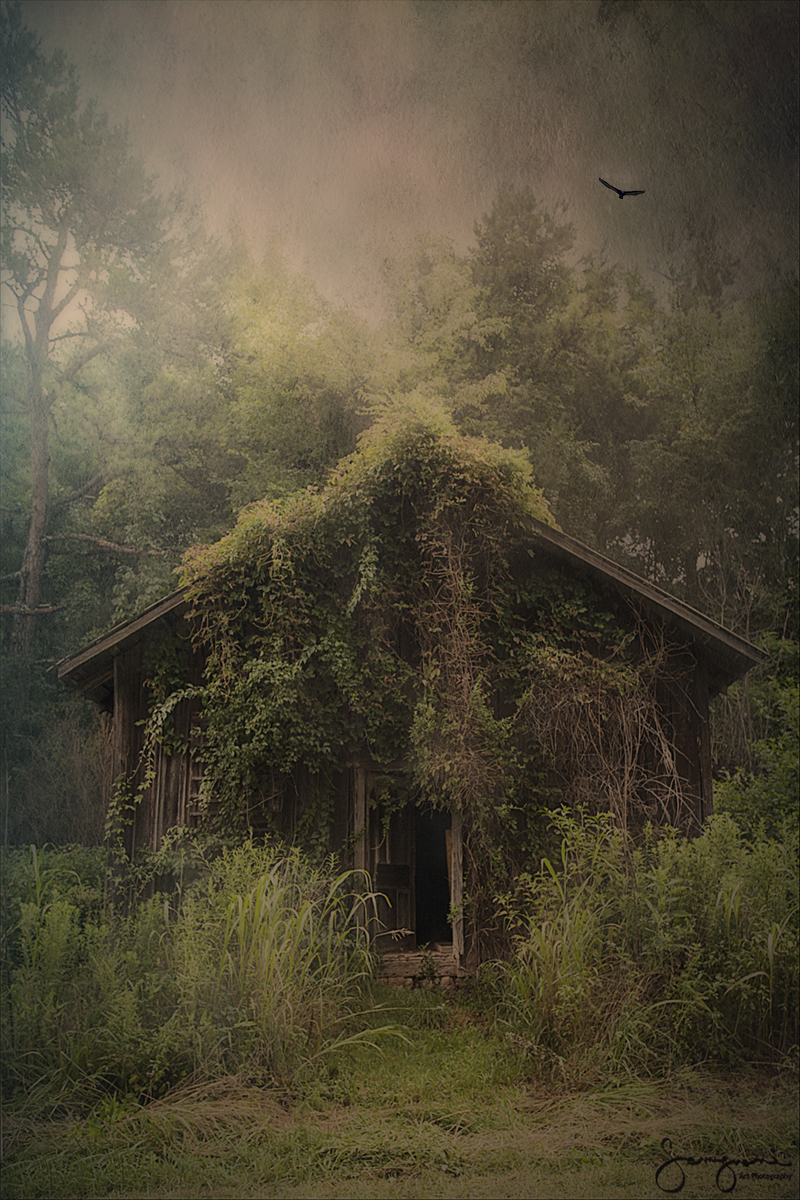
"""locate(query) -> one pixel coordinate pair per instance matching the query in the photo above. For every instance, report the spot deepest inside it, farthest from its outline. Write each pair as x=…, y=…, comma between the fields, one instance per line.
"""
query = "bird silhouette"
x=621, y=195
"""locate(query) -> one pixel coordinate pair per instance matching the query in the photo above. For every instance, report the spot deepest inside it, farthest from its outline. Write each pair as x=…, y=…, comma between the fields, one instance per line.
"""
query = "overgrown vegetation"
x=625, y=960
x=358, y=616
x=223, y=1039
x=635, y=958
x=763, y=797
x=257, y=969
x=662, y=431
x=402, y=614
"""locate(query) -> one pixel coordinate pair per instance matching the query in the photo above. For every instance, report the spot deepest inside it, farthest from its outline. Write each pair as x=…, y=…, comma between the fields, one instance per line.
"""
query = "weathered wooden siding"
x=171, y=800
x=684, y=703
x=130, y=710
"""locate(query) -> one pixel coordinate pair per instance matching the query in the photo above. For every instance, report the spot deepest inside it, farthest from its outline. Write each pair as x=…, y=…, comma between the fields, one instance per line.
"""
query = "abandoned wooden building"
x=375, y=817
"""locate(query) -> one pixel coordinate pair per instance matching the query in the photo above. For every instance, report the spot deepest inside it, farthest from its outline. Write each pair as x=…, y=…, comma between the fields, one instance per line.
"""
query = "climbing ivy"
x=400, y=614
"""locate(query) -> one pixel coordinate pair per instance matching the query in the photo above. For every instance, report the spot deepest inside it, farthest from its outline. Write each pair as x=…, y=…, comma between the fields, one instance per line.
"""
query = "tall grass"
x=286, y=960
x=257, y=971
x=625, y=960
x=639, y=959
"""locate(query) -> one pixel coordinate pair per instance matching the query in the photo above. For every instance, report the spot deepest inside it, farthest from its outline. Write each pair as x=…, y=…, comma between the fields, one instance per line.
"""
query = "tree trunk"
x=37, y=348
x=30, y=583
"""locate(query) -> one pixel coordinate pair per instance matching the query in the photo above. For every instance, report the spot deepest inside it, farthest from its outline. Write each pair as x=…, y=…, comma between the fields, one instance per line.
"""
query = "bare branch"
x=69, y=374
x=46, y=313
x=100, y=543
x=70, y=296
x=78, y=494
x=23, y=315
x=22, y=610
x=71, y=333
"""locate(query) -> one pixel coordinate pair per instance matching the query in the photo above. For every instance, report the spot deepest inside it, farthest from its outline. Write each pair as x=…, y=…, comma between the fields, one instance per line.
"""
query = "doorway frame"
x=364, y=852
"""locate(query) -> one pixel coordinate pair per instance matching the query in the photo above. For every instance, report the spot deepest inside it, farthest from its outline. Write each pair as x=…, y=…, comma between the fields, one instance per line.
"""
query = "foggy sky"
x=341, y=129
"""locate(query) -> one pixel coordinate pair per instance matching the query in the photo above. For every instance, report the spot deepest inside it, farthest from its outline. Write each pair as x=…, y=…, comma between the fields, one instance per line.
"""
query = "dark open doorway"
x=431, y=875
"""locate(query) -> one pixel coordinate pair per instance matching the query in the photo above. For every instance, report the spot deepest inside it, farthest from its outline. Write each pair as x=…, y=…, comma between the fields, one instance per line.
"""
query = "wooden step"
x=410, y=968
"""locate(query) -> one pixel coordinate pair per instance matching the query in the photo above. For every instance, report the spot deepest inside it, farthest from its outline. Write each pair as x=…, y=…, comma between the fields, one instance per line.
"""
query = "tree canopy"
x=666, y=435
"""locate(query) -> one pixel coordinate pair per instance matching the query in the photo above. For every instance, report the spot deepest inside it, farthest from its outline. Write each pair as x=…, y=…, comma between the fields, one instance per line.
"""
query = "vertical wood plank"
x=457, y=885
x=360, y=819
x=704, y=740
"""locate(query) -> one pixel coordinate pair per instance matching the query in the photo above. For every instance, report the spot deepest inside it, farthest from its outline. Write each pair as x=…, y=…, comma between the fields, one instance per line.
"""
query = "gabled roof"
x=728, y=656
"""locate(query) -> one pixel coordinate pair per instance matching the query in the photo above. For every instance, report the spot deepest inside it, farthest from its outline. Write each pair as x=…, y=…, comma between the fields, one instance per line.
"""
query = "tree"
x=432, y=322
x=548, y=361
x=83, y=236
x=523, y=281
x=300, y=374
x=713, y=507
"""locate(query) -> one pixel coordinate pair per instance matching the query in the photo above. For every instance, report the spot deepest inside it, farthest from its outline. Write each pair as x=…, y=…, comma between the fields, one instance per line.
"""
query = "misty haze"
x=400, y=656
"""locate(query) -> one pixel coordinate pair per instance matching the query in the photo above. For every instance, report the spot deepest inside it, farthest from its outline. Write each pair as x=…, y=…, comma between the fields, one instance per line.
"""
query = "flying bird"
x=621, y=195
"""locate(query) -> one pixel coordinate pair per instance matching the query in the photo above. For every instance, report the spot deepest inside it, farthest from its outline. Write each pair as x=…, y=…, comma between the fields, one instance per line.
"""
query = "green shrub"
x=271, y=955
x=676, y=951
x=763, y=802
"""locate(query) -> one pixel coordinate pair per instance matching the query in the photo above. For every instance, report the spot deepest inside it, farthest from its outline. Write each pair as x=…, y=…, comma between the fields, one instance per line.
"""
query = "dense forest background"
x=156, y=379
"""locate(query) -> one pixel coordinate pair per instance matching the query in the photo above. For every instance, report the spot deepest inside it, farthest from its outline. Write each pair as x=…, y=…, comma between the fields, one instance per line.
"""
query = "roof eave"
x=730, y=656
x=88, y=670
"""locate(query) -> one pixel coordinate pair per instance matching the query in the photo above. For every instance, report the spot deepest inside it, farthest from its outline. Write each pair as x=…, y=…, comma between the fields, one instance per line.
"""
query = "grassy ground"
x=444, y=1112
